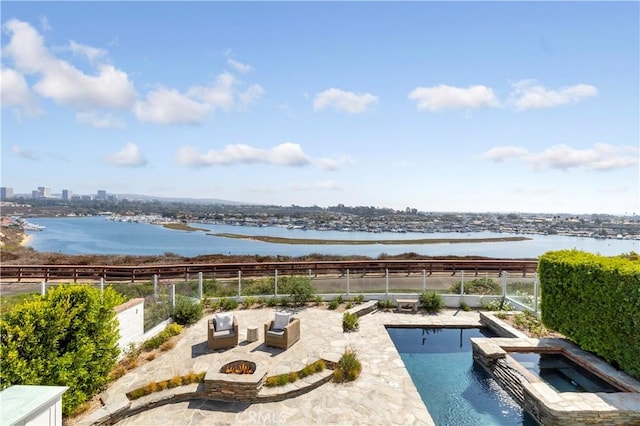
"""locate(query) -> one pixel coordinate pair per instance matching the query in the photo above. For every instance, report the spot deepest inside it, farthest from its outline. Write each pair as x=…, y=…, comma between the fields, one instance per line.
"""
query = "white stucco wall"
x=131, y=319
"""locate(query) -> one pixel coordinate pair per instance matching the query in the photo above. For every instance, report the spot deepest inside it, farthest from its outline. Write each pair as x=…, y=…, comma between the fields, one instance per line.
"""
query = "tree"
x=67, y=338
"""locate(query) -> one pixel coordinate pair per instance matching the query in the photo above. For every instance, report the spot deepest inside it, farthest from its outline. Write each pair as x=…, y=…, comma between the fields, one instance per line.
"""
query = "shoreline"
x=283, y=240
x=26, y=238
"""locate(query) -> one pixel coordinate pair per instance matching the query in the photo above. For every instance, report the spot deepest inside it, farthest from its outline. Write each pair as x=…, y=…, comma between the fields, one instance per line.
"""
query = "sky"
x=439, y=106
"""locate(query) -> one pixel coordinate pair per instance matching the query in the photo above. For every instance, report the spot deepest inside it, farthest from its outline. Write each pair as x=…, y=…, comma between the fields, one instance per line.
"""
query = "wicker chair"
x=282, y=338
x=221, y=339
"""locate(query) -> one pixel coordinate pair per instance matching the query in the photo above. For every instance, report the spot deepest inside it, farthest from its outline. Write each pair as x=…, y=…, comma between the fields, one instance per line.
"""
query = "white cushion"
x=224, y=321
x=281, y=321
x=222, y=334
x=276, y=333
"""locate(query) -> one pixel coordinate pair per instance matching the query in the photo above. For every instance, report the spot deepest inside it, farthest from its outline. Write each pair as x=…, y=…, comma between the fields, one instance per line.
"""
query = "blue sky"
x=439, y=106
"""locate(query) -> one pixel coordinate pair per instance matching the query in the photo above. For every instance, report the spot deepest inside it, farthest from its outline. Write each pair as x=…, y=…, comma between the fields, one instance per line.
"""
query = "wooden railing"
x=13, y=273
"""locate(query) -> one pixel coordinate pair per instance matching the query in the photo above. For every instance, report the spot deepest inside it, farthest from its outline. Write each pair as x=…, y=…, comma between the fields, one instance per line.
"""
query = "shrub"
x=300, y=289
x=272, y=301
x=358, y=299
x=173, y=382
x=248, y=302
x=348, y=305
x=228, y=304
x=283, y=379
x=167, y=346
x=497, y=305
x=528, y=321
x=350, y=322
x=333, y=304
x=187, y=311
x=349, y=367
x=166, y=334
x=431, y=301
x=317, y=299
x=482, y=286
x=465, y=307
x=385, y=304
x=68, y=337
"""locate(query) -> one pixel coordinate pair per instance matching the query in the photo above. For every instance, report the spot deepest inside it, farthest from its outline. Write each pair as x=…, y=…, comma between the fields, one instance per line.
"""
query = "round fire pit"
x=238, y=380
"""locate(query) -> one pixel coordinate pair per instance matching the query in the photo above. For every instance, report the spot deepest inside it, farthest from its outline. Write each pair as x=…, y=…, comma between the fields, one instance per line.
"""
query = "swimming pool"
x=455, y=390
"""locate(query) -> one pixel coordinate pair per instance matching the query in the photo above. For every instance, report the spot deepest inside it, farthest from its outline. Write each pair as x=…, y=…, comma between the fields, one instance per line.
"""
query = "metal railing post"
x=386, y=273
x=200, y=285
x=424, y=280
x=173, y=297
x=101, y=285
x=276, y=283
x=462, y=283
x=239, y=284
x=43, y=288
x=155, y=285
x=347, y=281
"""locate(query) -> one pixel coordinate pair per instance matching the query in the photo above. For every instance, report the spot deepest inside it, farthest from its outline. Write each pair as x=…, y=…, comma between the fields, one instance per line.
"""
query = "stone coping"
x=601, y=408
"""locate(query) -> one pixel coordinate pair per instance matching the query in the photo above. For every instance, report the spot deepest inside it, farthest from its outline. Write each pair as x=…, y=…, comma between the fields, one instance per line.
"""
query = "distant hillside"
x=182, y=200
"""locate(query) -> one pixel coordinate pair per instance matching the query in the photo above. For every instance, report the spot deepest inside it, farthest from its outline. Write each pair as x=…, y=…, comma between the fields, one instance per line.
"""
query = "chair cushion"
x=223, y=333
x=224, y=321
x=281, y=321
x=276, y=333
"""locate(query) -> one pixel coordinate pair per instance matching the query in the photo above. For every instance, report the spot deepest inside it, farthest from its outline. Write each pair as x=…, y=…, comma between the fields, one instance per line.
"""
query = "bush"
x=68, y=338
x=385, y=304
x=283, y=379
x=228, y=304
x=187, y=311
x=465, y=307
x=300, y=289
x=166, y=334
x=248, y=302
x=497, y=305
x=482, y=286
x=594, y=301
x=333, y=304
x=173, y=382
x=350, y=322
x=349, y=367
x=358, y=299
x=431, y=301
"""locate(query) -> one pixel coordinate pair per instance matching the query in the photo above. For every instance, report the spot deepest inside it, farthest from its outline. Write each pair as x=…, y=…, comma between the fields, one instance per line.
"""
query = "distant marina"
x=95, y=235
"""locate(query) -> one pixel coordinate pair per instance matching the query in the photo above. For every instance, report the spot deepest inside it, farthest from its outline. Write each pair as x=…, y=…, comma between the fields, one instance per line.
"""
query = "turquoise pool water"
x=456, y=391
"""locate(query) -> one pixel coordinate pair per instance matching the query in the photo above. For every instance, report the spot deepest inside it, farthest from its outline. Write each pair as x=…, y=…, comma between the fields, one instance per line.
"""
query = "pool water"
x=455, y=390
x=562, y=373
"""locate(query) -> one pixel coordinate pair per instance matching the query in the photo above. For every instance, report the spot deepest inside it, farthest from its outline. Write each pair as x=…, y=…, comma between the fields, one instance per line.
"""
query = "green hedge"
x=68, y=338
x=594, y=301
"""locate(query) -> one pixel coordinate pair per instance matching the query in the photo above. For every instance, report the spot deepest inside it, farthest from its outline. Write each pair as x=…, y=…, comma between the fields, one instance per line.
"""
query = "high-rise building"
x=44, y=192
x=66, y=194
x=102, y=195
x=6, y=193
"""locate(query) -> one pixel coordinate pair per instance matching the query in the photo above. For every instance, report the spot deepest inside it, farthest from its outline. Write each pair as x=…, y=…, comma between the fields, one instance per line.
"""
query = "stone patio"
x=383, y=394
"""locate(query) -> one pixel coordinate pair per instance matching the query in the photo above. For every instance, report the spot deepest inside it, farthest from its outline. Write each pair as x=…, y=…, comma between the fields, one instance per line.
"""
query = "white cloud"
x=23, y=153
x=527, y=94
x=239, y=66
x=128, y=156
x=91, y=53
x=168, y=106
x=501, y=153
x=286, y=154
x=601, y=157
x=15, y=92
x=442, y=97
x=224, y=93
x=326, y=185
x=251, y=95
x=333, y=163
x=340, y=100
x=105, y=121
x=60, y=80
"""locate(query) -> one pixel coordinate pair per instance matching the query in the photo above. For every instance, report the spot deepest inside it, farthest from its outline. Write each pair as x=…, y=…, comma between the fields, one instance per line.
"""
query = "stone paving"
x=383, y=394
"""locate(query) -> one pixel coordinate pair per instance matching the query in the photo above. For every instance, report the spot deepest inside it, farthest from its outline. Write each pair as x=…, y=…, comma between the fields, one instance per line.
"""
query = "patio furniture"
x=222, y=331
x=412, y=303
x=283, y=331
x=252, y=334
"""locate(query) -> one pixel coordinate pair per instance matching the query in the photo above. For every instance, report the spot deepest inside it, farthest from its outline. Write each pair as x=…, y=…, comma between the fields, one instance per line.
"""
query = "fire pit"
x=239, y=367
x=238, y=380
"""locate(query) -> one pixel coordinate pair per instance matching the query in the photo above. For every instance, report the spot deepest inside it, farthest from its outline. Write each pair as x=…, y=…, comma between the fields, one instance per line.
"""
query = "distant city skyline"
x=439, y=106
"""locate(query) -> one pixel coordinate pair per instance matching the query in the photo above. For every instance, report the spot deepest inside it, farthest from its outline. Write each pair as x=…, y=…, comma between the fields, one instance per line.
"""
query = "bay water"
x=97, y=235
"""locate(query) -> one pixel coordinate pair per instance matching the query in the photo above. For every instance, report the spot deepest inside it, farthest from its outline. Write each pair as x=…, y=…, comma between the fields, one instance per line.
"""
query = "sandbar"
x=282, y=240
